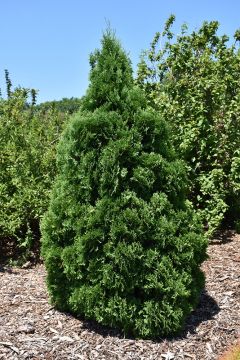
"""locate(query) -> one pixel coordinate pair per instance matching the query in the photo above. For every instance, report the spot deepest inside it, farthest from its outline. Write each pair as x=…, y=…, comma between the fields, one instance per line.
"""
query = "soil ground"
x=30, y=328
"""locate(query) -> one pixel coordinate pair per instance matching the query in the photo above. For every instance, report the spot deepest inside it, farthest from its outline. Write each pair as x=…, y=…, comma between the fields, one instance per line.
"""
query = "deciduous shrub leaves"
x=193, y=80
x=27, y=167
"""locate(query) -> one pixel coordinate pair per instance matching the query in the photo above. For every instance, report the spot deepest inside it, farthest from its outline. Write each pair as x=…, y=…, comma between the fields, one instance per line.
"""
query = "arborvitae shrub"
x=120, y=243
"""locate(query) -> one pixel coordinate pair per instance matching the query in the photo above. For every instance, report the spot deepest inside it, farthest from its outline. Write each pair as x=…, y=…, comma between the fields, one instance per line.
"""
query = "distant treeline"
x=65, y=105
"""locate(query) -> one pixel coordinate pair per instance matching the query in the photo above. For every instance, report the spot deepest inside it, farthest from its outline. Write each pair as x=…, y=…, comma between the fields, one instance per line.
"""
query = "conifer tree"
x=120, y=244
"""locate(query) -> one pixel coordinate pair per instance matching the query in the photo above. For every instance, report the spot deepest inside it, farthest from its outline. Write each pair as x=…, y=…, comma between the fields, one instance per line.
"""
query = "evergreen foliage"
x=119, y=241
x=110, y=78
x=194, y=81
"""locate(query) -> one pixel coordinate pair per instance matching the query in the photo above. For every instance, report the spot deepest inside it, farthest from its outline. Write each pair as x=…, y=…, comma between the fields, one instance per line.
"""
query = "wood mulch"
x=30, y=328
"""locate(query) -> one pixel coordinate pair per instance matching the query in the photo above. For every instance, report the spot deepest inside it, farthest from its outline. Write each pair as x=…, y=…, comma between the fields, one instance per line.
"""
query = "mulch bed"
x=30, y=328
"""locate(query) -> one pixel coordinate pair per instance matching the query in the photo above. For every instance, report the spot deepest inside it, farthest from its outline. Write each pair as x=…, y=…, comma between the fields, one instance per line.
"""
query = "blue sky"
x=45, y=44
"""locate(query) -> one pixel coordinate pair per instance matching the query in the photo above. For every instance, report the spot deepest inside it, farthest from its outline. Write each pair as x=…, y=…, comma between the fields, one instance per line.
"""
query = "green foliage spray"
x=120, y=243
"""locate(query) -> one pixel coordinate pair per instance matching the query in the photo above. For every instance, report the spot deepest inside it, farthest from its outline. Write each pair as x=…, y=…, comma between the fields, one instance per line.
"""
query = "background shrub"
x=120, y=243
x=27, y=167
x=194, y=81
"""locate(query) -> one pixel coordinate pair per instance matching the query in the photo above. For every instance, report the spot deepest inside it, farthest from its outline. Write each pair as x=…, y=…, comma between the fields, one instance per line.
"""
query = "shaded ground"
x=31, y=329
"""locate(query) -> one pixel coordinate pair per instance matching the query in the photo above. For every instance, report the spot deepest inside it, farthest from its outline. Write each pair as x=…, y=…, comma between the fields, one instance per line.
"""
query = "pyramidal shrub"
x=120, y=244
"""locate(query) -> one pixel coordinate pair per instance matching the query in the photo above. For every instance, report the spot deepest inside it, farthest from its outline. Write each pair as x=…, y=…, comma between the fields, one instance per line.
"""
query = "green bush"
x=120, y=243
x=194, y=81
x=27, y=167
